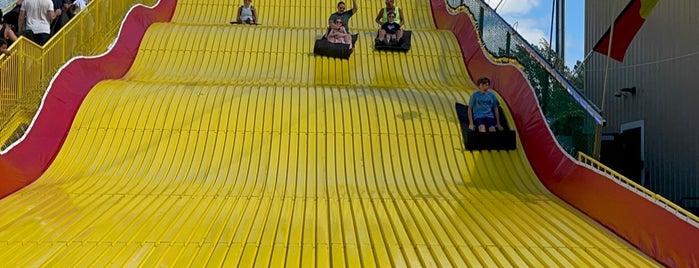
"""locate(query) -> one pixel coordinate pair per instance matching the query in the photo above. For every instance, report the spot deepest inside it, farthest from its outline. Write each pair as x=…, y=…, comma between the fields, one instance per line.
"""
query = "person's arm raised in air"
x=355, y=7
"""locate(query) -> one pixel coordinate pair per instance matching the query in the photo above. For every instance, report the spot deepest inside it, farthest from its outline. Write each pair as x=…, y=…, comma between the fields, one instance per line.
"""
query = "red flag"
x=625, y=26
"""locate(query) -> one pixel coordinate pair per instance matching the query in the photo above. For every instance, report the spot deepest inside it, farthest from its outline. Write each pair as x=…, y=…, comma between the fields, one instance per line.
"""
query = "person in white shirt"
x=247, y=13
x=38, y=15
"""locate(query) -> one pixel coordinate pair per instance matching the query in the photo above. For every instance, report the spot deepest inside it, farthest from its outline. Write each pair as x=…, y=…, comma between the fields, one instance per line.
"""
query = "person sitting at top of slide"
x=247, y=14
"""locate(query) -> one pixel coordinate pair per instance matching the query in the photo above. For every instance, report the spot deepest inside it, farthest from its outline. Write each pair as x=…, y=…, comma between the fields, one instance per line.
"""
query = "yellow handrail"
x=27, y=71
x=585, y=159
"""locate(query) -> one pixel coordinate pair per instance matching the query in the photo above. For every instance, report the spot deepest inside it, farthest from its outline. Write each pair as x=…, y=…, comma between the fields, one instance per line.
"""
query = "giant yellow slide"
x=234, y=146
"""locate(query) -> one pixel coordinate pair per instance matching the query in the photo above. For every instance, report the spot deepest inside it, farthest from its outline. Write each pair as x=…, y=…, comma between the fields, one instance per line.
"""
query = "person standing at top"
x=343, y=14
x=247, y=13
x=483, y=111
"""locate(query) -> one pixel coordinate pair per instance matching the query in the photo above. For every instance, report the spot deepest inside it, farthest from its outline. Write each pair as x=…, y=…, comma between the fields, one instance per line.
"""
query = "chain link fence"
x=573, y=119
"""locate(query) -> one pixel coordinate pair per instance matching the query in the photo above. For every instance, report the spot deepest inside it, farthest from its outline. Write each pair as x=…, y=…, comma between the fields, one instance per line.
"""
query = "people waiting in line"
x=31, y=22
x=38, y=15
x=3, y=47
x=383, y=17
x=483, y=111
x=344, y=15
x=8, y=34
x=11, y=16
x=57, y=24
x=338, y=34
x=78, y=5
x=65, y=12
x=247, y=14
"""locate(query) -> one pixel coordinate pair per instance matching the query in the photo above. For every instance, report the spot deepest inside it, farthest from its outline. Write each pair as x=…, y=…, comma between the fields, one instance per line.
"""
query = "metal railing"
x=574, y=120
x=26, y=73
x=591, y=162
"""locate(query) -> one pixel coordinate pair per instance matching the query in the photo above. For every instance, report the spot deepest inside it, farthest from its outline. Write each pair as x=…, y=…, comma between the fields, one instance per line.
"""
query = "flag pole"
x=606, y=67
x=598, y=139
x=582, y=63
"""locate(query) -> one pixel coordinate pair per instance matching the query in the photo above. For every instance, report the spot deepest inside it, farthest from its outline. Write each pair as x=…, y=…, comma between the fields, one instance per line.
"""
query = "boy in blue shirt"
x=483, y=108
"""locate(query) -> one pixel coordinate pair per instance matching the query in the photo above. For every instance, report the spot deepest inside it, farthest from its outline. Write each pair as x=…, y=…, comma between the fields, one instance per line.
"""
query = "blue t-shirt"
x=483, y=104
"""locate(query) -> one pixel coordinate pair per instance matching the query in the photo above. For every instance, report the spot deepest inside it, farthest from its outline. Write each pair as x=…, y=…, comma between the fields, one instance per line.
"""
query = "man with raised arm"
x=343, y=14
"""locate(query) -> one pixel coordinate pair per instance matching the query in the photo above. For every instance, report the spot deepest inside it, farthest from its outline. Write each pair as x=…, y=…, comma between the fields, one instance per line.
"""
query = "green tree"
x=577, y=79
x=563, y=113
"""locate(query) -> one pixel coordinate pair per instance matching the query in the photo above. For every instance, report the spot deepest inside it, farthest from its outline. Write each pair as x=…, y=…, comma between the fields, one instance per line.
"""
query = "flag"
x=626, y=25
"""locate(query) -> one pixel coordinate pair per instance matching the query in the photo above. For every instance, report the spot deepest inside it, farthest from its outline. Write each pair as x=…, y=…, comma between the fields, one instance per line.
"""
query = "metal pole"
x=560, y=29
x=508, y=43
x=598, y=143
x=481, y=24
x=606, y=66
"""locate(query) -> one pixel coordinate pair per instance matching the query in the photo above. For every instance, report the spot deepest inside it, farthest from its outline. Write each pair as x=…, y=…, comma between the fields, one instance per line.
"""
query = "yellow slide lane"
x=232, y=145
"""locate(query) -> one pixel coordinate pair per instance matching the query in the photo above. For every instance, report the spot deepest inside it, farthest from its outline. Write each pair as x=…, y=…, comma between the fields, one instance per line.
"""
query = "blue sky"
x=532, y=19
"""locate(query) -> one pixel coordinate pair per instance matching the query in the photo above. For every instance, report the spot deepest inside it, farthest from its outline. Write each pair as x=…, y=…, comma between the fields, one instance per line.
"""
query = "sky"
x=532, y=19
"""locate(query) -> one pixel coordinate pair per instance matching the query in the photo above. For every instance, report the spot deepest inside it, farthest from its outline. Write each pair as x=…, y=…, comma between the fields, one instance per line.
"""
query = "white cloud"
x=529, y=29
x=521, y=14
x=513, y=6
x=532, y=21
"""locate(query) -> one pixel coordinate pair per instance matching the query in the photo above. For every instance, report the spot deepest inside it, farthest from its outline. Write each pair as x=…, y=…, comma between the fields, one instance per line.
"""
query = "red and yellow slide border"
x=654, y=230
x=26, y=161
